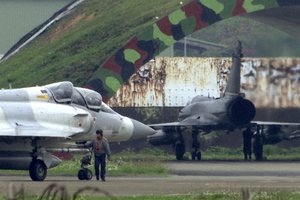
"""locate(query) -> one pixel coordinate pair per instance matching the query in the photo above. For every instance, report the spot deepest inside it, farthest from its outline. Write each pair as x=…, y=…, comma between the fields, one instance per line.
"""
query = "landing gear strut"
x=179, y=150
x=37, y=170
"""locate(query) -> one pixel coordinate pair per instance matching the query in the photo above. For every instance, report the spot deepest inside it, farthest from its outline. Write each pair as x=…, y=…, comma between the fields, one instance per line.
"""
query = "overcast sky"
x=18, y=17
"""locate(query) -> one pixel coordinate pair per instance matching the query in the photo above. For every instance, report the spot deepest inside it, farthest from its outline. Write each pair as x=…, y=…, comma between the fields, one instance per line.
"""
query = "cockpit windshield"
x=62, y=92
x=77, y=98
x=93, y=99
x=107, y=109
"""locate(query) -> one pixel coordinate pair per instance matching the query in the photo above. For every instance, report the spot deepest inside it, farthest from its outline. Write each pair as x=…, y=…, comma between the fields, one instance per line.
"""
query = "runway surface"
x=187, y=177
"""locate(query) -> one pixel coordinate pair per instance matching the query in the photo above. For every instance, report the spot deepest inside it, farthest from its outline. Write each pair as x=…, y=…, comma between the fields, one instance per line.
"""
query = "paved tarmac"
x=187, y=177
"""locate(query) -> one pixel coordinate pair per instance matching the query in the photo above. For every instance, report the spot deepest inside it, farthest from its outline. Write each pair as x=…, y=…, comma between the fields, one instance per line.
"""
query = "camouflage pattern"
x=191, y=17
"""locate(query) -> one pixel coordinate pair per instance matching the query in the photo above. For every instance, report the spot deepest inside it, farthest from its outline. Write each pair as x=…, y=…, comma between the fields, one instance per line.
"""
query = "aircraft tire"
x=179, y=151
x=81, y=174
x=37, y=170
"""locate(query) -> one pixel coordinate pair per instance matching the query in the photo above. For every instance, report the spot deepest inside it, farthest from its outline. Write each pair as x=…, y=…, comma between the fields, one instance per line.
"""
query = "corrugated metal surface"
x=172, y=82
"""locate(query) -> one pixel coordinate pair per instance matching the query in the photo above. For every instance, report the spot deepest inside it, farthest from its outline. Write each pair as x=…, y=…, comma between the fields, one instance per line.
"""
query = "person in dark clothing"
x=247, y=137
x=258, y=144
x=101, y=149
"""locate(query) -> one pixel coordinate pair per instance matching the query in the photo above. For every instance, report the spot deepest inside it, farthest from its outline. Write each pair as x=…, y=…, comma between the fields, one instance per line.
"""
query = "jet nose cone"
x=141, y=130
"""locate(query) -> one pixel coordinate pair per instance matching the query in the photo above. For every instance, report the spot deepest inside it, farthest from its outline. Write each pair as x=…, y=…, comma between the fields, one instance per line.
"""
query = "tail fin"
x=234, y=81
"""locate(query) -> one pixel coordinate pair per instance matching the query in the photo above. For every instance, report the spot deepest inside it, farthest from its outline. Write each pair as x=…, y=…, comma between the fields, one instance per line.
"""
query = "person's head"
x=99, y=134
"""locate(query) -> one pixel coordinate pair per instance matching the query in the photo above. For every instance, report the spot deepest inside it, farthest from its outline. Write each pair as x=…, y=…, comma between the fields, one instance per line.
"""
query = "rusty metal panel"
x=173, y=81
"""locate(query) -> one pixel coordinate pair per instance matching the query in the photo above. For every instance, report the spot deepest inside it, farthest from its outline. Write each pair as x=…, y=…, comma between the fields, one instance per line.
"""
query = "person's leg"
x=96, y=165
x=103, y=167
x=250, y=149
x=245, y=153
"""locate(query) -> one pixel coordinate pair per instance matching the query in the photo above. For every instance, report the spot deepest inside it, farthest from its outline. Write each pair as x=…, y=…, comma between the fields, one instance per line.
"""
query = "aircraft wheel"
x=198, y=155
x=81, y=174
x=179, y=150
x=38, y=170
x=88, y=174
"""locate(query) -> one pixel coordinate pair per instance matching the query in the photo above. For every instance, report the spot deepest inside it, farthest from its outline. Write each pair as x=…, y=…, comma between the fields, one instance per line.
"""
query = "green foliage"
x=134, y=168
x=271, y=152
x=222, y=153
x=147, y=154
x=145, y=162
x=282, y=195
x=275, y=152
x=214, y=195
x=126, y=163
x=76, y=46
x=149, y=161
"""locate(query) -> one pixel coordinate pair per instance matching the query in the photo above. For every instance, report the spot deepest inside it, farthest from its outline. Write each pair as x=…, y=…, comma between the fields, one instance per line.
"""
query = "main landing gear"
x=179, y=150
x=184, y=141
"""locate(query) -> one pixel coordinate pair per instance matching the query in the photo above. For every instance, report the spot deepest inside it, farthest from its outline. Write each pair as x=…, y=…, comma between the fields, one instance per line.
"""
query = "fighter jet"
x=203, y=115
x=36, y=120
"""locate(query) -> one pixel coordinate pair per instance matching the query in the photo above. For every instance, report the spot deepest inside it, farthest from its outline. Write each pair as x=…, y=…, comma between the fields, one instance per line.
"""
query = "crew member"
x=258, y=144
x=101, y=150
x=247, y=137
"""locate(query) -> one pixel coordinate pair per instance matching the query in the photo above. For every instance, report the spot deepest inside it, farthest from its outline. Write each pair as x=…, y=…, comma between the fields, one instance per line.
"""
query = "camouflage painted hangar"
x=192, y=17
x=127, y=78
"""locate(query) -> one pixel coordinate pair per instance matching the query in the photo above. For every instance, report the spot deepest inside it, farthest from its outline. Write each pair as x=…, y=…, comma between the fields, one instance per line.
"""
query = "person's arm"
x=107, y=148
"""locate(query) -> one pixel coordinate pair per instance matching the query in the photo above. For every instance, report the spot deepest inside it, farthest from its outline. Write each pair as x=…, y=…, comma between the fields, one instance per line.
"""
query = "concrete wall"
x=172, y=82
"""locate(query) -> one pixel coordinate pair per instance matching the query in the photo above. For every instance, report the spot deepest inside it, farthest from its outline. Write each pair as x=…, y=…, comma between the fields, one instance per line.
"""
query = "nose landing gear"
x=37, y=170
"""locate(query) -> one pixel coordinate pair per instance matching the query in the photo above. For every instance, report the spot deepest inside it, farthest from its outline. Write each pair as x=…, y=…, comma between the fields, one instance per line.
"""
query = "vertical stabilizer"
x=234, y=80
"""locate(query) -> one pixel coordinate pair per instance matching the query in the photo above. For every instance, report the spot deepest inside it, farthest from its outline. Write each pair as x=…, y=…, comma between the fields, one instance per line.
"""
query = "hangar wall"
x=173, y=81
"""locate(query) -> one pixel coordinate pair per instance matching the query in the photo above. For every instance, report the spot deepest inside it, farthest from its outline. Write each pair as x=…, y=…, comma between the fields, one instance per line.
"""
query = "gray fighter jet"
x=203, y=114
x=35, y=121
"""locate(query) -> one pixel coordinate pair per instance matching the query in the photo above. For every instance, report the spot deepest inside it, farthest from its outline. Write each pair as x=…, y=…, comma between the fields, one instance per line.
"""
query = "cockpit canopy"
x=62, y=92
x=200, y=98
x=65, y=92
x=93, y=99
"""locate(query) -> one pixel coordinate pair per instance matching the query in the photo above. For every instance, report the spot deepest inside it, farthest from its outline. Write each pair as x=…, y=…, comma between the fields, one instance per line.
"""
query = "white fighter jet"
x=36, y=120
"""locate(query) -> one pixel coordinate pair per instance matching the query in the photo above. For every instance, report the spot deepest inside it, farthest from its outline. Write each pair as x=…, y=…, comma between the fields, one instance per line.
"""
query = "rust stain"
x=172, y=82
x=272, y=82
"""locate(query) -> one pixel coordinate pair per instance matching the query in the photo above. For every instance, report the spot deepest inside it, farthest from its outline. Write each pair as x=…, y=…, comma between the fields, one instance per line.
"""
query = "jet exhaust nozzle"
x=241, y=111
